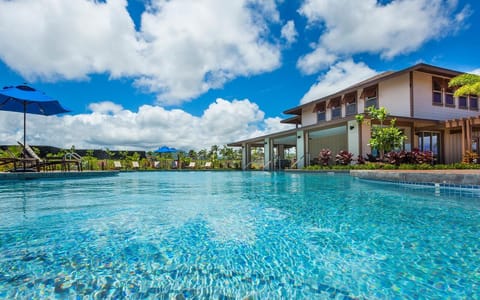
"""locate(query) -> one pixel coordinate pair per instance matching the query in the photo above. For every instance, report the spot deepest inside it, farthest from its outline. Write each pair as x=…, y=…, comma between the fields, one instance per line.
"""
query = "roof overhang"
x=421, y=67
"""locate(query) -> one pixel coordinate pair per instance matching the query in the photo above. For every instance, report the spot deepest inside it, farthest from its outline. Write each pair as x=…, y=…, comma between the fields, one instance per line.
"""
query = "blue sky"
x=139, y=74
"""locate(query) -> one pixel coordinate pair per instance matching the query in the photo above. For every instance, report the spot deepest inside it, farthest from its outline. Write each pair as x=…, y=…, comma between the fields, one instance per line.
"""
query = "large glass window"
x=429, y=141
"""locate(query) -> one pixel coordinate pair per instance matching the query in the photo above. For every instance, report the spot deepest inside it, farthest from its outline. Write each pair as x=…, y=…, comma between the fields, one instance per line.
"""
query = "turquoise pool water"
x=235, y=235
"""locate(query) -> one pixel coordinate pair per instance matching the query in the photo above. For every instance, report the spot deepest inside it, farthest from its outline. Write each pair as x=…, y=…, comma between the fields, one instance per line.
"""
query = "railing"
x=296, y=162
x=72, y=156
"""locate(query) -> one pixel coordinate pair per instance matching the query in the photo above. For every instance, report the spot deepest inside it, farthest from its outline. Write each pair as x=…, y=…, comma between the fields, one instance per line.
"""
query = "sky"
x=139, y=74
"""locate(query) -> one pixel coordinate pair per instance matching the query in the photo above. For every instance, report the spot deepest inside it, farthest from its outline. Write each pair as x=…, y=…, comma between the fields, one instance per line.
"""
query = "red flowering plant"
x=343, y=158
x=324, y=156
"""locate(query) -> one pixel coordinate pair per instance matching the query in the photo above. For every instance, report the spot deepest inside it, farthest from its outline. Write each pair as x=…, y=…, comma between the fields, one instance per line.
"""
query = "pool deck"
x=52, y=175
x=442, y=177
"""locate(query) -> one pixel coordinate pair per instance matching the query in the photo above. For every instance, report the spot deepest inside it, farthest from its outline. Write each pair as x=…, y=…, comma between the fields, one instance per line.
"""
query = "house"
x=418, y=98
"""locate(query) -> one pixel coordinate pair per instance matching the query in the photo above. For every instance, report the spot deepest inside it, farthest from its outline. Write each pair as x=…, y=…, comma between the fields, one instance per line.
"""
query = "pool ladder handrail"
x=296, y=162
x=72, y=156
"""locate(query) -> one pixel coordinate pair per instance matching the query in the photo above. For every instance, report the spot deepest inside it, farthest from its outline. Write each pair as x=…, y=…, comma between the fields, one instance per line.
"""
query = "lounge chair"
x=135, y=165
x=191, y=165
x=117, y=164
x=208, y=165
x=33, y=162
x=156, y=164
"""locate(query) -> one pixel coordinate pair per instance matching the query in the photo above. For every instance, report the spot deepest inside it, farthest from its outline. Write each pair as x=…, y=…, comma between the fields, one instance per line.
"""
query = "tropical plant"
x=324, y=156
x=465, y=84
x=343, y=158
x=383, y=138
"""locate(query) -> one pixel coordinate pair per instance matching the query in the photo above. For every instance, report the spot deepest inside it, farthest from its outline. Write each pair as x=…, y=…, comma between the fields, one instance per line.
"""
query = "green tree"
x=465, y=84
x=192, y=154
x=213, y=154
x=383, y=138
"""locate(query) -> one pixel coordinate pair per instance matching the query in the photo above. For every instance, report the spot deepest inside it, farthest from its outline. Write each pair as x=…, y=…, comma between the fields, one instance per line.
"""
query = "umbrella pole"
x=24, y=132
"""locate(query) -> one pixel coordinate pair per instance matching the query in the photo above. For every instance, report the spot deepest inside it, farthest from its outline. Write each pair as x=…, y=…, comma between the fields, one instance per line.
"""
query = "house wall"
x=300, y=149
x=452, y=147
x=308, y=116
x=423, y=107
x=335, y=143
x=353, y=138
x=394, y=95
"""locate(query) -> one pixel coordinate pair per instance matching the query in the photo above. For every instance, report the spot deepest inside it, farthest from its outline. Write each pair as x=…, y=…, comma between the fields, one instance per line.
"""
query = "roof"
x=421, y=67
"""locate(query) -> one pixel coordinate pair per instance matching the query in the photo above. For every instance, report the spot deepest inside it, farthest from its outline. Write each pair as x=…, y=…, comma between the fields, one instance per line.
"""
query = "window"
x=336, y=108
x=437, y=87
x=321, y=116
x=473, y=102
x=475, y=145
x=462, y=102
x=320, y=110
x=449, y=99
x=350, y=101
x=370, y=95
x=429, y=141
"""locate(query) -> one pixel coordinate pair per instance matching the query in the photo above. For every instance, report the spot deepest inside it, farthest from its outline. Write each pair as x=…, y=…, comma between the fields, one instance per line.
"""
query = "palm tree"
x=466, y=84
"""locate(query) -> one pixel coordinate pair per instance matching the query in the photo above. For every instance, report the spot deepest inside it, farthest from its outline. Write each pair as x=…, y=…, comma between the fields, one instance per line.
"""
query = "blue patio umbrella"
x=166, y=149
x=25, y=99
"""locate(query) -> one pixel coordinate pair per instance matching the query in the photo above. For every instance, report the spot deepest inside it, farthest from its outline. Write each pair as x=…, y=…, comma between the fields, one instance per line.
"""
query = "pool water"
x=236, y=235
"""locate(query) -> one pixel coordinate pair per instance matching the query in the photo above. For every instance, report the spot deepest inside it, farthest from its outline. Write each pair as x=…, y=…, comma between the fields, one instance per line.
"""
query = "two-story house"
x=418, y=98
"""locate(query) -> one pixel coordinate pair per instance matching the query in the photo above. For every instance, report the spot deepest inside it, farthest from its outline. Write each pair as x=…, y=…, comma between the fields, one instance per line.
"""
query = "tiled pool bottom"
x=214, y=235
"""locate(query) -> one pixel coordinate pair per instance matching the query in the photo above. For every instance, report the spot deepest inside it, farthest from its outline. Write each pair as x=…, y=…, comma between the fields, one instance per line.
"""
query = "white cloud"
x=339, y=76
x=111, y=126
x=316, y=60
x=289, y=33
x=398, y=27
x=477, y=71
x=182, y=49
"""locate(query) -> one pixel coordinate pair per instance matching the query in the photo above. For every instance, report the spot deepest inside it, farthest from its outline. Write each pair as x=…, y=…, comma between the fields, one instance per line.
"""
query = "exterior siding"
x=335, y=143
x=308, y=116
x=423, y=107
x=452, y=147
x=394, y=95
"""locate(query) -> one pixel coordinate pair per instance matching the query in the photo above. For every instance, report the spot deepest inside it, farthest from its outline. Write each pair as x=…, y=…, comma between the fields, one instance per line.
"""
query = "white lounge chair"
x=135, y=165
x=117, y=164
x=191, y=165
x=208, y=165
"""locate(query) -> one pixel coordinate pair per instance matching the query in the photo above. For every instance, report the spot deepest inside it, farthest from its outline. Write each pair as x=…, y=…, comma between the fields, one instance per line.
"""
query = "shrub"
x=343, y=158
x=324, y=156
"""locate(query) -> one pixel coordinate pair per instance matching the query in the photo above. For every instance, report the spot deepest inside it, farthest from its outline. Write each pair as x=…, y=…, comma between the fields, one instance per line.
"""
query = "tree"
x=466, y=84
x=383, y=138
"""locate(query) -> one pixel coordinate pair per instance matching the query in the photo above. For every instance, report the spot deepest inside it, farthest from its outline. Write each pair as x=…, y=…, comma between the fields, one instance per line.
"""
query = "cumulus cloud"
x=181, y=49
x=398, y=27
x=477, y=71
x=289, y=33
x=111, y=126
x=338, y=77
x=316, y=60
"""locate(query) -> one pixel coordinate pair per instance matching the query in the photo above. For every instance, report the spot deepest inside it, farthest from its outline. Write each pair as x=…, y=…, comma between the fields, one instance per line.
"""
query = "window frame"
x=465, y=98
x=437, y=90
x=369, y=97
x=472, y=98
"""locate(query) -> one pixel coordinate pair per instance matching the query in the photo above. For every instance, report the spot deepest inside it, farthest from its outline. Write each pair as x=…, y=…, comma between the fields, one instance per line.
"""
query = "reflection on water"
x=229, y=235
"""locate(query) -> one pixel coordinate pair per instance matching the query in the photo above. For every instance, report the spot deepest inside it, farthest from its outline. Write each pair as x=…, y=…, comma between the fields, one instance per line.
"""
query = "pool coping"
x=54, y=175
x=456, y=178
x=469, y=178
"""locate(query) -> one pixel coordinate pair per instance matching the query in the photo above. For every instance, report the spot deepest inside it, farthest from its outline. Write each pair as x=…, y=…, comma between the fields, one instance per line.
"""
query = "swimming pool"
x=235, y=235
